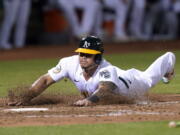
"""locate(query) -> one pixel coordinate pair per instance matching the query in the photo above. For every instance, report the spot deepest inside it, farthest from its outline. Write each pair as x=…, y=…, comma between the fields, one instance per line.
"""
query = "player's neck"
x=88, y=72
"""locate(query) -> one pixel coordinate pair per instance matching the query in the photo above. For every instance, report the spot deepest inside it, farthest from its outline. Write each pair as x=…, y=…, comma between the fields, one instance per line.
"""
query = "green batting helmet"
x=90, y=45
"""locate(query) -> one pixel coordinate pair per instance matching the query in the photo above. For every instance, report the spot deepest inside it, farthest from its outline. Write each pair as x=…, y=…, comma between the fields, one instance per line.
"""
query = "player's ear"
x=98, y=58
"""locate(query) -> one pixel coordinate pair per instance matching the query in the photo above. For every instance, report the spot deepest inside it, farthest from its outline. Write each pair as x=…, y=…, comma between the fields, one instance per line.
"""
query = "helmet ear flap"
x=98, y=58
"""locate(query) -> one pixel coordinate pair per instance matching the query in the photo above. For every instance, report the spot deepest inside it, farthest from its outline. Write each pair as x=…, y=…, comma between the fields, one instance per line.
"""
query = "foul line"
x=115, y=113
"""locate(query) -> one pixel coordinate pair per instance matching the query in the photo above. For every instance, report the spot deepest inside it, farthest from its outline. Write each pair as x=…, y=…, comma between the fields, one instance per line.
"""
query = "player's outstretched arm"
x=105, y=89
x=41, y=84
x=36, y=88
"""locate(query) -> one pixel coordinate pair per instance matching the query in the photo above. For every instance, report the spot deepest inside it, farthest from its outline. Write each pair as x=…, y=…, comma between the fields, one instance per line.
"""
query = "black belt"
x=124, y=81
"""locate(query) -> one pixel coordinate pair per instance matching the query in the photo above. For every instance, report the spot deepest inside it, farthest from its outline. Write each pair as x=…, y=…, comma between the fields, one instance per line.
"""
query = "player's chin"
x=83, y=65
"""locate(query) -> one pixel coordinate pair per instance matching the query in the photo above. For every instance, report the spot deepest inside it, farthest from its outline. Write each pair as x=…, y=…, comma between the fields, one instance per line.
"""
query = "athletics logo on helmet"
x=90, y=45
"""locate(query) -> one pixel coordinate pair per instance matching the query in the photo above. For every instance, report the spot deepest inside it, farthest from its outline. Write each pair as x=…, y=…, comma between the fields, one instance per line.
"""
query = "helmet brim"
x=89, y=51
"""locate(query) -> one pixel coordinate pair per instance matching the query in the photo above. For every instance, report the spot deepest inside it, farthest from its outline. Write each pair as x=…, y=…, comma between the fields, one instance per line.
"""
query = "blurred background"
x=59, y=22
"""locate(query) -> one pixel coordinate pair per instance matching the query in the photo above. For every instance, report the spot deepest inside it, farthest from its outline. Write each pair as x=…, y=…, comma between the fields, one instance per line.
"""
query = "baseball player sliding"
x=95, y=77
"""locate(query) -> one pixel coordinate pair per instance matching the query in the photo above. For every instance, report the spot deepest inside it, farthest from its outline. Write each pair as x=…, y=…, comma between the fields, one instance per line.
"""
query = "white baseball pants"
x=90, y=9
x=142, y=81
x=137, y=15
x=121, y=9
x=16, y=12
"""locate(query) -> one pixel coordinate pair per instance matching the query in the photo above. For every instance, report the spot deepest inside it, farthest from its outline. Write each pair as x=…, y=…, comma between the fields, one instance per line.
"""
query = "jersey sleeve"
x=108, y=74
x=59, y=71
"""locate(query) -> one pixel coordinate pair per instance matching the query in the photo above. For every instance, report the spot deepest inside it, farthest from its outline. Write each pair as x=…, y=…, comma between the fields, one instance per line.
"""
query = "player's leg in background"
x=161, y=66
x=10, y=14
x=68, y=7
x=98, y=26
x=21, y=23
x=121, y=8
x=137, y=17
x=90, y=9
x=153, y=10
x=171, y=20
x=120, y=23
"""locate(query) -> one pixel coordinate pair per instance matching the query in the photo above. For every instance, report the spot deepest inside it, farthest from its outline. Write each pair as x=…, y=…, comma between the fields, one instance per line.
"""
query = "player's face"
x=86, y=60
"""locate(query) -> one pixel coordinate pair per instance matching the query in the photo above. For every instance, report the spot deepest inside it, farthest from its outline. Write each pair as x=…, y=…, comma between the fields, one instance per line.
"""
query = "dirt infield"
x=61, y=112
x=158, y=107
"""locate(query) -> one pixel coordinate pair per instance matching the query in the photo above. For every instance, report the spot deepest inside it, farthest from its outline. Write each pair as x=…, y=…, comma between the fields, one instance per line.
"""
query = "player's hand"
x=84, y=102
x=15, y=103
x=19, y=103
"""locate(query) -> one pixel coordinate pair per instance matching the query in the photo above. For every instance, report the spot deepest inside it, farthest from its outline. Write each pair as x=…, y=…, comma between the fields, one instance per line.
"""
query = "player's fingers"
x=19, y=103
x=12, y=103
x=84, y=102
x=16, y=103
x=78, y=103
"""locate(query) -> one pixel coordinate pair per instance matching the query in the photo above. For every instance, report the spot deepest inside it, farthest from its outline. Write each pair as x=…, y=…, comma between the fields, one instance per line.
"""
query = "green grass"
x=25, y=72
x=136, y=128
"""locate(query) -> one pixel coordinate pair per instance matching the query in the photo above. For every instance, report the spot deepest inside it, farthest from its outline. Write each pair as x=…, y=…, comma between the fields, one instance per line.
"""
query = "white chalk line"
x=115, y=113
x=26, y=109
x=47, y=109
x=158, y=103
x=166, y=103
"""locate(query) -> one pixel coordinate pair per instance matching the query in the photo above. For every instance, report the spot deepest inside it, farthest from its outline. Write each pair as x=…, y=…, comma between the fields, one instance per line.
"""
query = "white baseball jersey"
x=129, y=83
x=69, y=67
